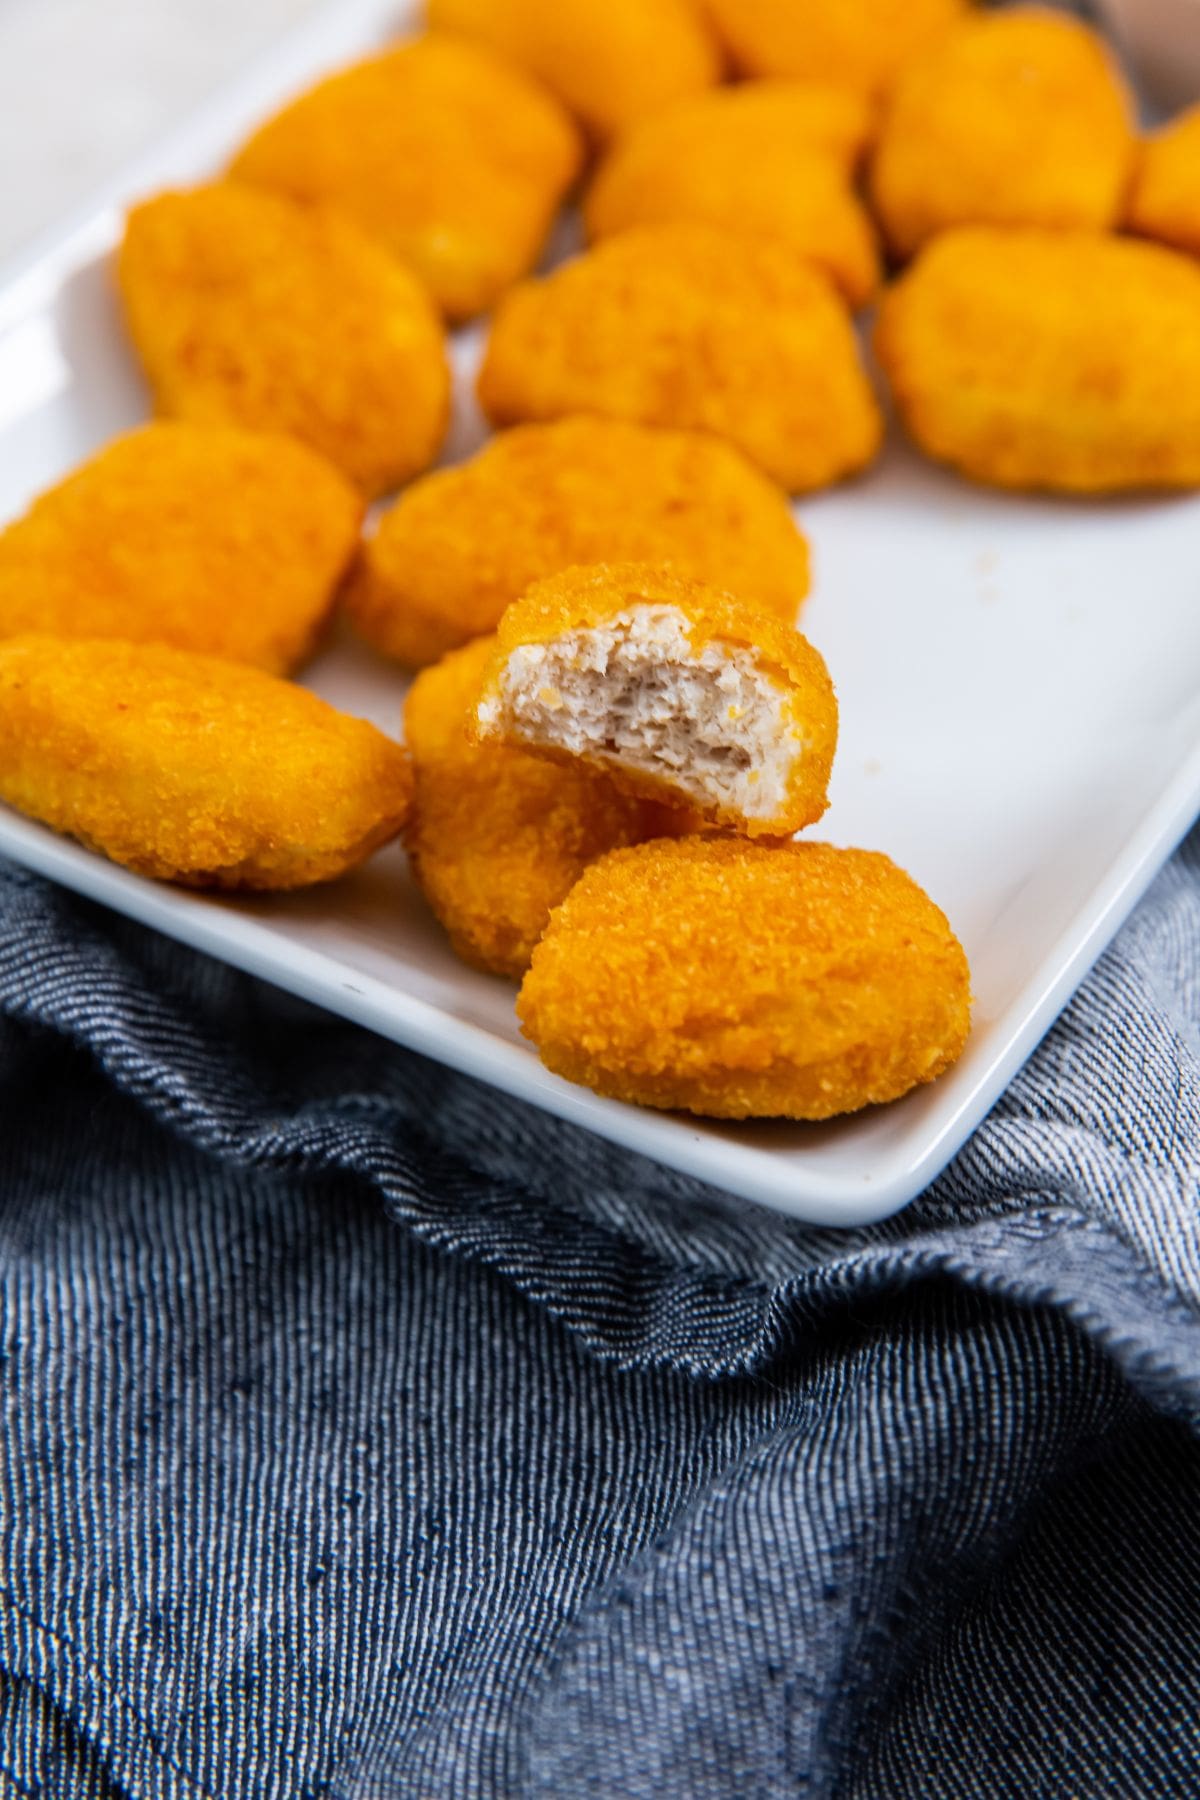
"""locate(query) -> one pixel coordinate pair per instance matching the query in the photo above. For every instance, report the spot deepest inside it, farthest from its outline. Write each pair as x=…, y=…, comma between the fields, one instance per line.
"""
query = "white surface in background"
x=1161, y=39
x=87, y=84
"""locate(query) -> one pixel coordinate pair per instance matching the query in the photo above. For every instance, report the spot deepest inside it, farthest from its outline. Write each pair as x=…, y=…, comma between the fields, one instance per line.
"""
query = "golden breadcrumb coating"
x=1015, y=118
x=498, y=837
x=609, y=62
x=748, y=159
x=461, y=544
x=858, y=44
x=1058, y=360
x=450, y=157
x=740, y=981
x=249, y=309
x=689, y=326
x=226, y=542
x=1165, y=199
x=191, y=769
x=780, y=770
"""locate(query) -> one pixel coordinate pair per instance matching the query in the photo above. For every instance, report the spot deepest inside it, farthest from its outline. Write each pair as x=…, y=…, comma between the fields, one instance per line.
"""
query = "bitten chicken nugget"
x=249, y=309
x=497, y=837
x=749, y=159
x=211, y=539
x=462, y=544
x=739, y=981
x=1060, y=360
x=608, y=63
x=1017, y=118
x=678, y=691
x=857, y=44
x=452, y=158
x=689, y=326
x=1165, y=201
x=191, y=769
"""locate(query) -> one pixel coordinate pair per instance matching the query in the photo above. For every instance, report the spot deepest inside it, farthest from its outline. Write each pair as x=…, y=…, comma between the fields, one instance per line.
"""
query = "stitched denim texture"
x=367, y=1434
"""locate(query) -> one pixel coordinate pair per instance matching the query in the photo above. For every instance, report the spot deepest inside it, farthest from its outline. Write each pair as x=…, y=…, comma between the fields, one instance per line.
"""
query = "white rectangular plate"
x=1020, y=689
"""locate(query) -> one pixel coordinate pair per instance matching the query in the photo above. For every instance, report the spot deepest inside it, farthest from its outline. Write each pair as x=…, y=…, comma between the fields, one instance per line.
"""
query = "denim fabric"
x=366, y=1434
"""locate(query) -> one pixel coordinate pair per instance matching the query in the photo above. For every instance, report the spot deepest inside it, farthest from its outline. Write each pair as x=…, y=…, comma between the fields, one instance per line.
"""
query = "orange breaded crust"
x=448, y=155
x=249, y=309
x=190, y=769
x=609, y=63
x=221, y=541
x=736, y=981
x=1164, y=202
x=498, y=837
x=765, y=182
x=462, y=544
x=858, y=44
x=590, y=597
x=750, y=160
x=1015, y=118
x=1056, y=360
x=685, y=325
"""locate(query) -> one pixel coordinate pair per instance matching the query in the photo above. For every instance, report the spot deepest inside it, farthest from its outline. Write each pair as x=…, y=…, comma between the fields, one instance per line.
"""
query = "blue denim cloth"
x=367, y=1434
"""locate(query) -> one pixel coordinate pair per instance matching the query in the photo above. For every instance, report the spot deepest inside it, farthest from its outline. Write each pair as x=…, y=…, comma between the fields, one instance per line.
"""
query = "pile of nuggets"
x=615, y=731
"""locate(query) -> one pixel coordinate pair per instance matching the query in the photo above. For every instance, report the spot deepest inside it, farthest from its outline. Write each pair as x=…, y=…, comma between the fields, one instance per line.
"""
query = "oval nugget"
x=1165, y=200
x=227, y=542
x=689, y=326
x=675, y=689
x=609, y=63
x=737, y=981
x=858, y=44
x=1057, y=360
x=498, y=837
x=249, y=309
x=462, y=544
x=450, y=157
x=191, y=769
x=753, y=159
x=1018, y=118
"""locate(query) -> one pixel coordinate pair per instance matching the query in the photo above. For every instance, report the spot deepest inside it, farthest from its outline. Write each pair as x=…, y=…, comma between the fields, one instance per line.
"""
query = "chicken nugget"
x=749, y=159
x=678, y=691
x=689, y=326
x=462, y=544
x=498, y=837
x=190, y=769
x=1165, y=199
x=226, y=542
x=1056, y=360
x=449, y=156
x=608, y=63
x=740, y=981
x=1016, y=118
x=858, y=44
x=249, y=309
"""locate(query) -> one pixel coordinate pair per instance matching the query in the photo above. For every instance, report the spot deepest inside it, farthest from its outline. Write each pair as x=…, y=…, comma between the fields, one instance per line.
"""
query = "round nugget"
x=211, y=539
x=1165, y=200
x=1057, y=360
x=250, y=309
x=498, y=837
x=677, y=690
x=1016, y=118
x=461, y=544
x=689, y=326
x=858, y=44
x=609, y=63
x=749, y=159
x=737, y=981
x=192, y=769
x=449, y=156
